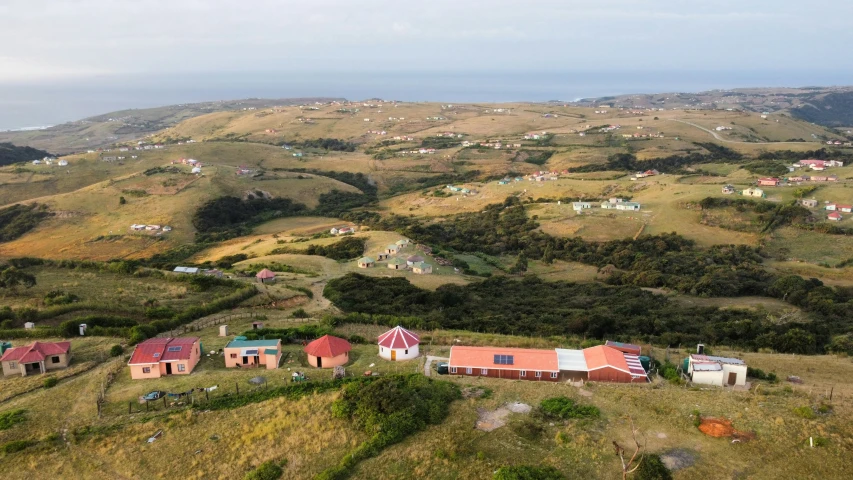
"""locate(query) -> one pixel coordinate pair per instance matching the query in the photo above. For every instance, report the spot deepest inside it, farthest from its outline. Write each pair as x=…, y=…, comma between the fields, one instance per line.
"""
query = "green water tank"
x=646, y=362
x=4, y=346
x=685, y=364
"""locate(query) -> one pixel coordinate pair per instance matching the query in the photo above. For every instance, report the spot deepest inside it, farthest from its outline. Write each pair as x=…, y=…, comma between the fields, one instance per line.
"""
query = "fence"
x=207, y=322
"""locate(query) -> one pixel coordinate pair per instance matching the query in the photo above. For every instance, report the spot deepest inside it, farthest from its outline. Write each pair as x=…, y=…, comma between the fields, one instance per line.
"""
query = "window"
x=54, y=359
x=174, y=349
x=468, y=371
x=381, y=349
x=452, y=369
x=12, y=365
x=553, y=374
x=538, y=374
x=523, y=373
x=233, y=355
x=407, y=352
x=156, y=355
x=182, y=367
x=484, y=371
x=504, y=359
x=146, y=369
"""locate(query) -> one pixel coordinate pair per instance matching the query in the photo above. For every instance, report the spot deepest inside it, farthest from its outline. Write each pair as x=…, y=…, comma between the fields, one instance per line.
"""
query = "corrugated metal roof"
x=571, y=360
x=634, y=365
x=708, y=358
x=523, y=358
x=251, y=343
x=707, y=367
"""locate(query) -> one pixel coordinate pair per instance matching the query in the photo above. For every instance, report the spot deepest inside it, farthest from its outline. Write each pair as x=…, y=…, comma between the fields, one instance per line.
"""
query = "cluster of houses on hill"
x=415, y=263
x=647, y=173
x=497, y=145
x=51, y=161
x=136, y=227
x=195, y=164
x=342, y=230
x=836, y=209
x=610, y=204
x=462, y=190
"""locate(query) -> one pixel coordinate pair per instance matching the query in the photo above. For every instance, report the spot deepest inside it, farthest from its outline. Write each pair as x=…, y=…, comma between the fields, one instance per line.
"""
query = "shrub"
x=12, y=418
x=358, y=339
x=300, y=313
x=266, y=471
x=58, y=297
x=116, y=350
x=804, y=412
x=50, y=382
x=16, y=446
x=652, y=468
x=566, y=408
x=527, y=472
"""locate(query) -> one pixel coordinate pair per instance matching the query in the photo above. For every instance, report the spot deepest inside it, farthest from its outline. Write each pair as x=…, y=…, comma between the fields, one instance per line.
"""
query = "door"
x=245, y=360
x=319, y=362
x=732, y=378
x=257, y=360
x=168, y=369
x=393, y=354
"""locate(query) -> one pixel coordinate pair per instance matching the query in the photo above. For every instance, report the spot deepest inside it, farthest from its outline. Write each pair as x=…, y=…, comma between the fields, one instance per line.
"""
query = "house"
x=392, y=249
x=728, y=189
x=414, y=259
x=328, y=352
x=63, y=163
x=398, y=344
x=137, y=227
x=397, y=264
x=244, y=353
x=834, y=216
x=578, y=206
x=768, y=182
x=167, y=228
x=37, y=357
x=505, y=362
x=607, y=364
x=808, y=202
x=157, y=357
x=720, y=371
x=630, y=206
x=572, y=365
x=152, y=228
x=188, y=270
x=382, y=256
x=421, y=268
x=844, y=208
x=754, y=192
x=366, y=262
x=266, y=276
x=196, y=170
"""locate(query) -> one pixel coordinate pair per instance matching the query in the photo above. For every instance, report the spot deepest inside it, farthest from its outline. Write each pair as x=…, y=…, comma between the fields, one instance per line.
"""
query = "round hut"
x=414, y=259
x=328, y=352
x=265, y=276
x=398, y=344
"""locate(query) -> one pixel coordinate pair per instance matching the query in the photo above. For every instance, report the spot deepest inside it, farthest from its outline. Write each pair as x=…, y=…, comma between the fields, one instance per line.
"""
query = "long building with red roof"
x=37, y=357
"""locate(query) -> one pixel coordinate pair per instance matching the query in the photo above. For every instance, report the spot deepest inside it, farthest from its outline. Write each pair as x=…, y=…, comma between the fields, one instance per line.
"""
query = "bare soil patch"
x=488, y=420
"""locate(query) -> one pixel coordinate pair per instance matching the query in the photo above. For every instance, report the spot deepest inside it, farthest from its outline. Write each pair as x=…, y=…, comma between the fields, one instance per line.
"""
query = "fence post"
x=129, y=407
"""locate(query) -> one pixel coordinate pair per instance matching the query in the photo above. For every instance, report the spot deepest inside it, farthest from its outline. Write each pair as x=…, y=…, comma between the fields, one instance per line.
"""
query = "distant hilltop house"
x=421, y=268
x=186, y=270
x=769, y=182
x=578, y=206
x=62, y=163
x=629, y=206
x=611, y=203
x=647, y=173
x=728, y=189
x=754, y=192
x=834, y=217
x=839, y=207
x=366, y=262
x=808, y=202
x=37, y=357
x=816, y=164
x=341, y=230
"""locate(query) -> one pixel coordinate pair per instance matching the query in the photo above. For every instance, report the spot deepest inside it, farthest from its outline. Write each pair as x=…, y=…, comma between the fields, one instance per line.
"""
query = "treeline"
x=820, y=154
x=18, y=219
x=347, y=248
x=357, y=180
x=670, y=164
x=228, y=217
x=771, y=215
x=333, y=144
x=536, y=157
x=10, y=154
x=530, y=306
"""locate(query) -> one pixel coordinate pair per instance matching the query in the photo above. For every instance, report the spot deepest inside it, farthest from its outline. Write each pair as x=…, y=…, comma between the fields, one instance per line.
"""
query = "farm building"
x=266, y=275
x=631, y=206
x=382, y=256
x=754, y=192
x=397, y=264
x=402, y=243
x=414, y=259
x=366, y=262
x=501, y=362
x=607, y=364
x=624, y=347
x=187, y=270
x=769, y=182
x=728, y=189
x=398, y=344
x=720, y=371
x=328, y=352
x=572, y=365
x=157, y=357
x=808, y=202
x=422, y=268
x=392, y=249
x=578, y=206
x=244, y=353
x=37, y=357
x=834, y=216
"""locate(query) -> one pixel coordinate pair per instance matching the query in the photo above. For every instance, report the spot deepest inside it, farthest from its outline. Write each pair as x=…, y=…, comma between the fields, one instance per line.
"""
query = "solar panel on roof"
x=504, y=359
x=252, y=352
x=174, y=349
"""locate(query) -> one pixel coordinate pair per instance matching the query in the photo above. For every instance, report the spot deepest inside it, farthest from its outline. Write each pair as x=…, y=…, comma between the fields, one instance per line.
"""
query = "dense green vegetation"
x=832, y=110
x=670, y=164
x=347, y=248
x=357, y=180
x=333, y=144
x=527, y=472
x=266, y=471
x=771, y=215
x=652, y=468
x=536, y=157
x=20, y=219
x=10, y=154
x=769, y=168
x=229, y=217
x=11, y=418
x=389, y=409
x=563, y=408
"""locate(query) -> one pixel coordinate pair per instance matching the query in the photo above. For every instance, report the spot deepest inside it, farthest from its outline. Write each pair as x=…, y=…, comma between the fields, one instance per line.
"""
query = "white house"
x=719, y=371
x=63, y=163
x=196, y=170
x=398, y=344
x=578, y=206
x=631, y=206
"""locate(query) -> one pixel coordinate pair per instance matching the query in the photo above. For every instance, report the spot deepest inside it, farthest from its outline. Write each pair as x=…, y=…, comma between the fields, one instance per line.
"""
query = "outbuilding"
x=398, y=344
x=397, y=264
x=328, y=352
x=719, y=371
x=244, y=353
x=421, y=268
x=366, y=262
x=414, y=259
x=265, y=276
x=392, y=249
x=607, y=364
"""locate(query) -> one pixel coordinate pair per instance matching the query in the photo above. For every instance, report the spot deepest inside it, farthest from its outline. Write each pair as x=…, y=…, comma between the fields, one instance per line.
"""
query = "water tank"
x=646, y=362
x=4, y=346
x=685, y=364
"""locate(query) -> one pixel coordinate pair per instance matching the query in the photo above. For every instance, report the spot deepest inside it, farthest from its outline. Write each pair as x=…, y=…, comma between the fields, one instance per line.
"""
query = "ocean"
x=45, y=103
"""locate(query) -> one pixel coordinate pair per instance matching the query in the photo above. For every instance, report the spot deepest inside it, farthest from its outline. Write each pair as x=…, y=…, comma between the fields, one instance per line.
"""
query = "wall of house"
x=608, y=374
x=271, y=361
x=233, y=358
x=188, y=367
x=740, y=370
x=573, y=376
x=401, y=353
x=505, y=374
x=330, y=362
x=136, y=372
x=8, y=370
x=708, y=378
x=64, y=360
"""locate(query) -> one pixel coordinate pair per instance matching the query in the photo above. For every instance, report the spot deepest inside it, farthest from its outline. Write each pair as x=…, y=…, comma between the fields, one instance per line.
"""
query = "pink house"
x=768, y=182
x=244, y=353
x=157, y=357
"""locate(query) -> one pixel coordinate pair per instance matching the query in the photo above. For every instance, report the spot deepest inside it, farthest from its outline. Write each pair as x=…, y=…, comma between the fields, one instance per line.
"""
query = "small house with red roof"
x=157, y=357
x=834, y=217
x=504, y=362
x=328, y=352
x=266, y=275
x=38, y=357
x=398, y=344
x=607, y=364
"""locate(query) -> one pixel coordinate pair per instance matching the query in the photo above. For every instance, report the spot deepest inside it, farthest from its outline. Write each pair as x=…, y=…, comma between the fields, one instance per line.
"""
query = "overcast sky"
x=55, y=40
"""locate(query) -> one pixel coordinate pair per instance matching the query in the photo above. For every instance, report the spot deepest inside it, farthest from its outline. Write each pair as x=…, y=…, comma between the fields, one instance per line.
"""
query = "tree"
x=121, y=200
x=520, y=264
x=548, y=255
x=652, y=468
x=630, y=466
x=12, y=278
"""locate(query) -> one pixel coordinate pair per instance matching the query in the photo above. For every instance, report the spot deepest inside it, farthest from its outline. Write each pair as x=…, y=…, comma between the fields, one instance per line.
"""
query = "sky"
x=73, y=40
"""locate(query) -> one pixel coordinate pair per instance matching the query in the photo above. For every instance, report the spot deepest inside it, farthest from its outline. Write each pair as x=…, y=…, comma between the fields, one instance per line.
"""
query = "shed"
x=398, y=344
x=328, y=352
x=392, y=249
x=265, y=275
x=422, y=268
x=257, y=325
x=607, y=364
x=720, y=371
x=29, y=325
x=366, y=262
x=397, y=264
x=223, y=330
